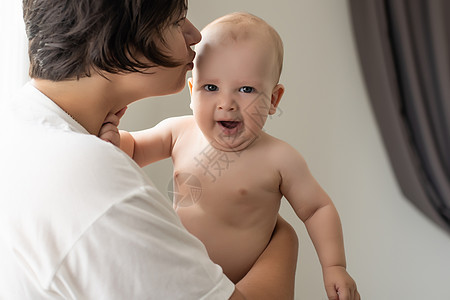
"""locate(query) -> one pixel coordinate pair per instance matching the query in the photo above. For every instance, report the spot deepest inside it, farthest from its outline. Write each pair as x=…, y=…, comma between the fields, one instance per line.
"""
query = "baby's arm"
x=149, y=145
x=146, y=146
x=315, y=208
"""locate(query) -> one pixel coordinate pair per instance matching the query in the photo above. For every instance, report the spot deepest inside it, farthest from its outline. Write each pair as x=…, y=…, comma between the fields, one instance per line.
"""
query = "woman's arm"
x=273, y=274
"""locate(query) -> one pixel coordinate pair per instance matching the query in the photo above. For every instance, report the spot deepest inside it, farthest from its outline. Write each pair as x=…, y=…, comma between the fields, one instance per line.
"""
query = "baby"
x=230, y=175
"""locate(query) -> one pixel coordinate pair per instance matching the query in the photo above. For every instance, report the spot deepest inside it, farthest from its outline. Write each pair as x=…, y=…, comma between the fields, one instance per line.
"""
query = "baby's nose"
x=227, y=104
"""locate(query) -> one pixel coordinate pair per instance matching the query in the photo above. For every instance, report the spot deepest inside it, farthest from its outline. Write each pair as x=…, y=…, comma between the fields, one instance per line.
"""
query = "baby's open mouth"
x=229, y=124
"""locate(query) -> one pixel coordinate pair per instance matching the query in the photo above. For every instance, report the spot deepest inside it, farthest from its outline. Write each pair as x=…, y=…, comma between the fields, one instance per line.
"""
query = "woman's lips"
x=191, y=64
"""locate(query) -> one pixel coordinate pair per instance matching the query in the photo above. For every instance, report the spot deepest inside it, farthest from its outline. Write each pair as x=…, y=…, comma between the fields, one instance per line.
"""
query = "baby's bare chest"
x=226, y=182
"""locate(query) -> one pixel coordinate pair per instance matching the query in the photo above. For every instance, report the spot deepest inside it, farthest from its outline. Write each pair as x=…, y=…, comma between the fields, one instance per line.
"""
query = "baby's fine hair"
x=244, y=20
x=69, y=38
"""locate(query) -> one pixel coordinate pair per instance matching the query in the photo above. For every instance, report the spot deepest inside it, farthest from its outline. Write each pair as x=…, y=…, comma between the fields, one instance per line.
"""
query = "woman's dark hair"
x=69, y=38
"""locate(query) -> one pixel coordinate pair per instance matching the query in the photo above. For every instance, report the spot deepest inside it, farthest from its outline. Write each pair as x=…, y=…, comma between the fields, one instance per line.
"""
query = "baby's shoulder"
x=179, y=121
x=178, y=125
x=281, y=151
x=184, y=131
x=277, y=145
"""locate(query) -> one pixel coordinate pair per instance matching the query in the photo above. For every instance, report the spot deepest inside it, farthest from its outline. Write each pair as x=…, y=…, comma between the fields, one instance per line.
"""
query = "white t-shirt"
x=80, y=220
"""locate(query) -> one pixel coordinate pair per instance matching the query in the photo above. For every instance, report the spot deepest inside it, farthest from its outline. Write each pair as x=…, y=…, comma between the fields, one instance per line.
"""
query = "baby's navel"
x=243, y=192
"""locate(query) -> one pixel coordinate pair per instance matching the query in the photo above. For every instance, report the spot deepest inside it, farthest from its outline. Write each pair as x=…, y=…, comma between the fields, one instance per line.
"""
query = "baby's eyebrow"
x=207, y=81
x=248, y=83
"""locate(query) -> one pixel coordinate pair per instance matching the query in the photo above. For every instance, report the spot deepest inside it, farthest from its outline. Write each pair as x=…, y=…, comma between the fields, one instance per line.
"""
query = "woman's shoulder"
x=88, y=155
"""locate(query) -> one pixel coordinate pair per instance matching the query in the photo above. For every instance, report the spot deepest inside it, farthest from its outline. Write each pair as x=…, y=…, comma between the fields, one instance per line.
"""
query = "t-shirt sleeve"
x=139, y=250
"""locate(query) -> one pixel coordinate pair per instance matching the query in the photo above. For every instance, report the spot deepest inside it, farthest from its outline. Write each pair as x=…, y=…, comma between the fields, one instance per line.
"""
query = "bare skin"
x=236, y=208
x=235, y=211
x=227, y=215
x=229, y=175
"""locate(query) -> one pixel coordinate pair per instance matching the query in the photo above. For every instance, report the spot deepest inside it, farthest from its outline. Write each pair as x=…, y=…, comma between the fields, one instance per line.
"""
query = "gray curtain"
x=404, y=49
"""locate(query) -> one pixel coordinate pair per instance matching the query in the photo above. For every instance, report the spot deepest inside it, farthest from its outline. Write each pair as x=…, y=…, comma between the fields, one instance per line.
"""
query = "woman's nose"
x=191, y=33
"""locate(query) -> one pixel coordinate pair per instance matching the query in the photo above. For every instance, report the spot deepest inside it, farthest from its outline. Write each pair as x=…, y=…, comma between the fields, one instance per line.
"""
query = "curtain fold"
x=404, y=48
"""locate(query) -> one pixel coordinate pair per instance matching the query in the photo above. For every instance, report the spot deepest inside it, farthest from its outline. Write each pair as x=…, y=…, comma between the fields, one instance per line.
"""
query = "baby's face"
x=232, y=91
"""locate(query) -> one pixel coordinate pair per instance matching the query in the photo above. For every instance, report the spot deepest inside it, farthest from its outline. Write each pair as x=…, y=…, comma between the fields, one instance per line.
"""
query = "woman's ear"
x=190, y=90
x=277, y=93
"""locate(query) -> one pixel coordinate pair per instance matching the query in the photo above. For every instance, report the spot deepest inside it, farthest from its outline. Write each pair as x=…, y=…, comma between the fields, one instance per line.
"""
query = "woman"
x=79, y=219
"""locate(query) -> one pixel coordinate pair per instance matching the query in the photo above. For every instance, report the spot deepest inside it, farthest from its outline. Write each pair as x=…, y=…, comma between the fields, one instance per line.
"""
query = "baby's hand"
x=339, y=285
x=109, y=131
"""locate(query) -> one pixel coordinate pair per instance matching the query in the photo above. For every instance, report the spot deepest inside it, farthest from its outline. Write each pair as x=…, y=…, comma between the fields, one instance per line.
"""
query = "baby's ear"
x=190, y=85
x=277, y=93
x=190, y=90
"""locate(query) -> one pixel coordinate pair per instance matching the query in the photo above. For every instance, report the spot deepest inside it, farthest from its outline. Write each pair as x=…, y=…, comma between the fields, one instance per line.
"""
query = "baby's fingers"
x=110, y=133
x=347, y=293
x=331, y=293
x=112, y=119
x=121, y=112
x=115, y=118
x=339, y=285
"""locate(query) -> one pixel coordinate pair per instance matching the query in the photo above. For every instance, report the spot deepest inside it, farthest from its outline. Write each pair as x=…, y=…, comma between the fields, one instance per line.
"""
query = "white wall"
x=392, y=250
x=13, y=49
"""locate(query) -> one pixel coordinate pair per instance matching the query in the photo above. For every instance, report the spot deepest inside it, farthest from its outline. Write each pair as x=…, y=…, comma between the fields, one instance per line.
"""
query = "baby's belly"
x=235, y=249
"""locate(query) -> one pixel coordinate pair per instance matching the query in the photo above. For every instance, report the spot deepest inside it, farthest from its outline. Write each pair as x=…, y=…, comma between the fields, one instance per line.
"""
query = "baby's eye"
x=246, y=89
x=210, y=87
